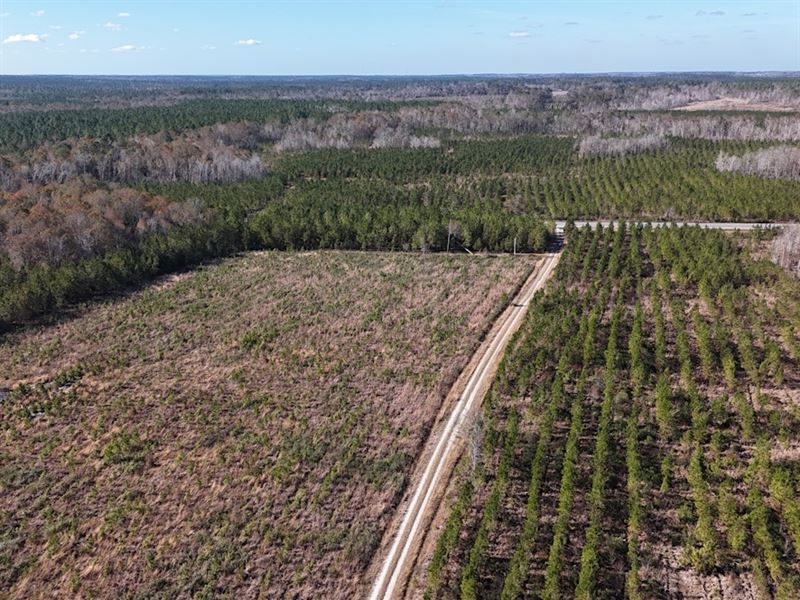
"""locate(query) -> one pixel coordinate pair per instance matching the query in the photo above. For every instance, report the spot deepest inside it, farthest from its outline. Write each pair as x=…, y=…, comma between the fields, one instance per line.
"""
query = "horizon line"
x=421, y=75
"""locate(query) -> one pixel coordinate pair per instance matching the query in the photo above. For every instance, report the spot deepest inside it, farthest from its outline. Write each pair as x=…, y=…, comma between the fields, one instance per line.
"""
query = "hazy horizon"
x=540, y=74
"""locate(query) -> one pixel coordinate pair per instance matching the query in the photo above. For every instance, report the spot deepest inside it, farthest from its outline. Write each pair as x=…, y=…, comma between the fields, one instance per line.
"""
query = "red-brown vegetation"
x=56, y=223
x=246, y=429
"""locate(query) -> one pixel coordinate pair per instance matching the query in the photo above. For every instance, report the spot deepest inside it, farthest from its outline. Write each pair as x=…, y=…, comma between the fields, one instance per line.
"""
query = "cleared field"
x=731, y=103
x=245, y=429
x=640, y=438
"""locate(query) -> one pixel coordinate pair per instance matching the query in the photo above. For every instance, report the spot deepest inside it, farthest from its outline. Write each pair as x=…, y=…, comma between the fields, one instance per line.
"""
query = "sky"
x=395, y=37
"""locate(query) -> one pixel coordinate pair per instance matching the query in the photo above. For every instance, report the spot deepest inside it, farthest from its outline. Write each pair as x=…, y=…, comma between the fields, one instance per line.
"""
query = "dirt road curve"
x=444, y=448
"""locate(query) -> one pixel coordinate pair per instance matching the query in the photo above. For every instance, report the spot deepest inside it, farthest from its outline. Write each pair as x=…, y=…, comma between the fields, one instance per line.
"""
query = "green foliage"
x=488, y=156
x=744, y=343
x=259, y=338
x=772, y=364
x=746, y=414
x=447, y=539
x=660, y=328
x=597, y=298
x=554, y=182
x=703, y=549
x=513, y=585
x=22, y=130
x=469, y=576
x=635, y=349
x=782, y=489
x=666, y=472
x=729, y=368
x=664, y=409
x=634, y=482
x=518, y=568
x=126, y=447
x=704, y=345
x=369, y=215
x=735, y=524
x=791, y=342
x=590, y=553
x=759, y=523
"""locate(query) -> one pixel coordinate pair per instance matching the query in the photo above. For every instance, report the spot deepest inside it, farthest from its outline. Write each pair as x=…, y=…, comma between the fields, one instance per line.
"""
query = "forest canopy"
x=106, y=183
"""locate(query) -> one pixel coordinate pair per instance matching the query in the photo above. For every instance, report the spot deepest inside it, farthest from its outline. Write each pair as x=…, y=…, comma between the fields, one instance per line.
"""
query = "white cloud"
x=75, y=35
x=25, y=37
x=112, y=26
x=209, y=47
x=55, y=26
x=518, y=34
x=124, y=15
x=125, y=48
x=37, y=13
x=250, y=42
x=4, y=15
x=654, y=17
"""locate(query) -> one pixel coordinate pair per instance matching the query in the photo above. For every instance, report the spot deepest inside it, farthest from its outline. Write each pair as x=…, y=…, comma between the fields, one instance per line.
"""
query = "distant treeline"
x=478, y=194
x=44, y=287
x=369, y=215
x=364, y=215
x=531, y=154
x=546, y=176
x=23, y=130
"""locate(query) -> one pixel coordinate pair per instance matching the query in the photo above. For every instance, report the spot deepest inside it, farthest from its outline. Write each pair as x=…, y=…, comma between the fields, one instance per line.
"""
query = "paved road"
x=704, y=224
x=396, y=566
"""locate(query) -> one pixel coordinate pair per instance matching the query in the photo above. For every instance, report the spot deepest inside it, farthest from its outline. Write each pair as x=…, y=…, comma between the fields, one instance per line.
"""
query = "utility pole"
x=515, y=245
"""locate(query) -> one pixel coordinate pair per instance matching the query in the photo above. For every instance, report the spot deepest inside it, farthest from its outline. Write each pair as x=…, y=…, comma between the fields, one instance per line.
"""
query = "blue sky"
x=395, y=37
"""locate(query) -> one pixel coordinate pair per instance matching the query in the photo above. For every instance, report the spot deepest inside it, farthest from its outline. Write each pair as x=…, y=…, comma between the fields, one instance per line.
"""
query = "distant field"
x=244, y=429
x=730, y=103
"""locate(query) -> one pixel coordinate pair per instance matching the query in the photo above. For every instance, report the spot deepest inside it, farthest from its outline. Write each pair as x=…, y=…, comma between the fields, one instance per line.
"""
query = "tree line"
x=226, y=219
x=24, y=130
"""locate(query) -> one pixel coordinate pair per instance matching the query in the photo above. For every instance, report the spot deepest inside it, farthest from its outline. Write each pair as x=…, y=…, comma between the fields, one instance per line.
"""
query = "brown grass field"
x=245, y=430
x=743, y=104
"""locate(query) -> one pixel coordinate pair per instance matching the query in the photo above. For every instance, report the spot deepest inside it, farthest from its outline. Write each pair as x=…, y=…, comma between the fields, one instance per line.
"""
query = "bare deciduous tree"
x=779, y=162
x=786, y=249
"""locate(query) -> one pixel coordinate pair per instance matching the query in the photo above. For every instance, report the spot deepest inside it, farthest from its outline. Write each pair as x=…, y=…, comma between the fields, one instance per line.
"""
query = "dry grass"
x=246, y=430
x=731, y=103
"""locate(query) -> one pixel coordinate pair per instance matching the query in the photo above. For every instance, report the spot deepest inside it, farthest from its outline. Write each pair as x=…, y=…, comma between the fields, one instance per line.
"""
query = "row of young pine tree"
x=639, y=403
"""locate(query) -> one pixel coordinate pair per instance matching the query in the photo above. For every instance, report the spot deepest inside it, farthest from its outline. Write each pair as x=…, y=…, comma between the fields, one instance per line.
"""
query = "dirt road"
x=443, y=449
